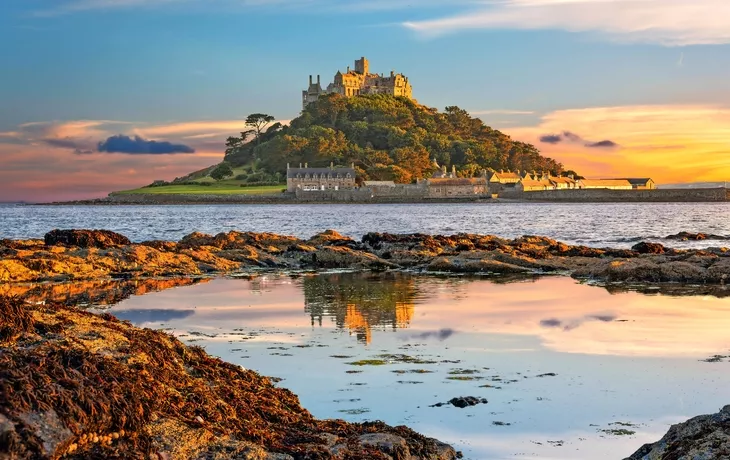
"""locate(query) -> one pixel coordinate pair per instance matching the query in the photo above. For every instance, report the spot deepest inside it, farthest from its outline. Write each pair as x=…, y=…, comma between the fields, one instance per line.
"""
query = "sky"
x=103, y=95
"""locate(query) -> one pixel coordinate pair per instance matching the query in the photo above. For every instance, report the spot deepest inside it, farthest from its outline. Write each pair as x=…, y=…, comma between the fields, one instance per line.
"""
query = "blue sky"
x=527, y=67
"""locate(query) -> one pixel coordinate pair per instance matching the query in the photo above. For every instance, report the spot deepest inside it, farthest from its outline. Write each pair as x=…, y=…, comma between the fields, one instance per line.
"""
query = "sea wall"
x=604, y=195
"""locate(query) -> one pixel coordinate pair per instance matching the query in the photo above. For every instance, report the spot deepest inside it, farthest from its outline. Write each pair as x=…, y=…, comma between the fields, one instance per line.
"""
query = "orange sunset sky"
x=649, y=76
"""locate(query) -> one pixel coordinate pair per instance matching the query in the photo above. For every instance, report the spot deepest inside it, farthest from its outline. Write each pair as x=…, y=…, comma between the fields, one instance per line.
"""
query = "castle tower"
x=362, y=66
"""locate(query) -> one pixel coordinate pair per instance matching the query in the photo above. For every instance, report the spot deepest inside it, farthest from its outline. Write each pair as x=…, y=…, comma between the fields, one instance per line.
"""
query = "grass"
x=219, y=188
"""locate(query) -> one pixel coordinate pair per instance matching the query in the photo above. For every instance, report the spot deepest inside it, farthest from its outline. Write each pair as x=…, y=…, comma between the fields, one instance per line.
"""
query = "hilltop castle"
x=359, y=81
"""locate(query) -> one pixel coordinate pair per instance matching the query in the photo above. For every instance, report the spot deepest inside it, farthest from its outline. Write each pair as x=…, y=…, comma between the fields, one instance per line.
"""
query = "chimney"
x=453, y=170
x=392, y=73
x=310, y=80
x=287, y=166
x=352, y=165
x=332, y=165
x=348, y=69
x=318, y=79
x=306, y=165
x=571, y=176
x=300, y=166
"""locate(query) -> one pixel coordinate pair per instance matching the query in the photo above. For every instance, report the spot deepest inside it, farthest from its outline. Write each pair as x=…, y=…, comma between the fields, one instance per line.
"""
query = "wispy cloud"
x=665, y=22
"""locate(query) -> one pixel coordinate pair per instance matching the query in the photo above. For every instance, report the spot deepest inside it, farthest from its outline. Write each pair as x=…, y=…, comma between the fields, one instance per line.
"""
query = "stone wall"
x=604, y=195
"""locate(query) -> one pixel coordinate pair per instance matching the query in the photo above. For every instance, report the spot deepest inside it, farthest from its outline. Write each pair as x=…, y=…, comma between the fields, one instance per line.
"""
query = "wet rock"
x=648, y=248
x=390, y=444
x=342, y=257
x=85, y=238
x=330, y=238
x=701, y=438
x=687, y=236
x=462, y=402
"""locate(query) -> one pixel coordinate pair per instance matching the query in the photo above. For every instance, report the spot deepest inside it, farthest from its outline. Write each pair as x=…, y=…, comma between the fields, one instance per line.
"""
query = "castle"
x=359, y=81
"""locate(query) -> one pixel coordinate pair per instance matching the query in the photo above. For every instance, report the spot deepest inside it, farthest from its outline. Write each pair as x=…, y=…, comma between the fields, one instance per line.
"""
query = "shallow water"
x=590, y=224
x=558, y=361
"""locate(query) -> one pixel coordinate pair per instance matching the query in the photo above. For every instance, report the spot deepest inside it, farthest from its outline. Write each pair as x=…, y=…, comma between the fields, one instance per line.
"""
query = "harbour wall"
x=633, y=196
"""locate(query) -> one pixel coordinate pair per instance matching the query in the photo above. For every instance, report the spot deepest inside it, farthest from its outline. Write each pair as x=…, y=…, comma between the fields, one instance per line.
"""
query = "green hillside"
x=388, y=138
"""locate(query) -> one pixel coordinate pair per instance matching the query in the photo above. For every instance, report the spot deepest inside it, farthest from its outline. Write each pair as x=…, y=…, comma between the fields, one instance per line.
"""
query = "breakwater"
x=606, y=196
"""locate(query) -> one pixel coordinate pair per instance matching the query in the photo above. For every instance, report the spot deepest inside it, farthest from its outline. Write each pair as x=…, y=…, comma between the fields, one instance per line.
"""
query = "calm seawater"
x=591, y=224
x=562, y=364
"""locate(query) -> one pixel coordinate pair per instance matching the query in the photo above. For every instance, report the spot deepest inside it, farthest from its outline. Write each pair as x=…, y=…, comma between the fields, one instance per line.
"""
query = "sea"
x=591, y=224
x=569, y=369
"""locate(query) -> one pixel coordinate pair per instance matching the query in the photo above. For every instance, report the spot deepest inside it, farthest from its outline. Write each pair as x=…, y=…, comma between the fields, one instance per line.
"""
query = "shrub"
x=221, y=171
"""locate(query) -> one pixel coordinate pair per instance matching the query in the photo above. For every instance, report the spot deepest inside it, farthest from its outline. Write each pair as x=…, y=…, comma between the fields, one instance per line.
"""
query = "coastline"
x=65, y=255
x=156, y=422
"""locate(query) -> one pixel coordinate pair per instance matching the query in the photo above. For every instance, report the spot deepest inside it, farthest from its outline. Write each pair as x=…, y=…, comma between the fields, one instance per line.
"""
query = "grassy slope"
x=220, y=188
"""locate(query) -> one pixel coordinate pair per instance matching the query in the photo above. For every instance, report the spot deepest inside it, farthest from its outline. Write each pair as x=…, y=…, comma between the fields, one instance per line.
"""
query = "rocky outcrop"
x=123, y=392
x=101, y=255
x=687, y=236
x=701, y=438
x=85, y=238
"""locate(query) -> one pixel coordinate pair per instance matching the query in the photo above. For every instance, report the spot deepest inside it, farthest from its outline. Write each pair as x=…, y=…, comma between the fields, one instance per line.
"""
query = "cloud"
x=136, y=145
x=66, y=143
x=441, y=334
x=59, y=160
x=602, y=144
x=570, y=137
x=552, y=322
x=669, y=143
x=551, y=138
x=664, y=22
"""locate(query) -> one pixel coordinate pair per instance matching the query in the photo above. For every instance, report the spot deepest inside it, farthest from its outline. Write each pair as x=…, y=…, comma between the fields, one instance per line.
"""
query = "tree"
x=221, y=171
x=258, y=121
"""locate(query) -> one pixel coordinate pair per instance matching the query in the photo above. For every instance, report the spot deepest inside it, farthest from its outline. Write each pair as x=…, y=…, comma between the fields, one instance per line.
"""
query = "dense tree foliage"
x=388, y=138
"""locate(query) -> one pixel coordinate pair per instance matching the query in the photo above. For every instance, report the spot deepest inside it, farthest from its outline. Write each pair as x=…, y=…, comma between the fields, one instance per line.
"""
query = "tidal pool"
x=569, y=370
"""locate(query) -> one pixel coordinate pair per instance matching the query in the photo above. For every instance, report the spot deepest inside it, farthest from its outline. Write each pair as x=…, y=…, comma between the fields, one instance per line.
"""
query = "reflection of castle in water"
x=360, y=303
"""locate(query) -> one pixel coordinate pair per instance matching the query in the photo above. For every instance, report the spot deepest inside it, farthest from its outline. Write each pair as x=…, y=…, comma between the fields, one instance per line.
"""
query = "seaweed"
x=90, y=386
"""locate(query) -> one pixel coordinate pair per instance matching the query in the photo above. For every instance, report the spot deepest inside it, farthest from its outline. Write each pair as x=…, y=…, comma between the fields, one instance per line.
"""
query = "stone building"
x=463, y=187
x=359, y=81
x=306, y=178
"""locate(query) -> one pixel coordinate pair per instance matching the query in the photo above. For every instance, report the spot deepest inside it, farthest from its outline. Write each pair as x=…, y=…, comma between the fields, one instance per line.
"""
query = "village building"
x=532, y=185
x=501, y=180
x=359, y=81
x=563, y=183
x=610, y=184
x=462, y=187
x=306, y=178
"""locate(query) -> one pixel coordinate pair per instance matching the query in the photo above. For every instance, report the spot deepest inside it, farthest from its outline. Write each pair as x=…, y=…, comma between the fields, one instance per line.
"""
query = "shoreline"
x=157, y=369
x=66, y=255
x=120, y=391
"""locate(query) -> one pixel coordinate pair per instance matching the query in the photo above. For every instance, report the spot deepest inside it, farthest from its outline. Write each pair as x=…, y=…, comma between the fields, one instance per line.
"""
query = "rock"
x=463, y=401
x=85, y=238
x=330, y=238
x=687, y=236
x=701, y=438
x=387, y=443
x=648, y=248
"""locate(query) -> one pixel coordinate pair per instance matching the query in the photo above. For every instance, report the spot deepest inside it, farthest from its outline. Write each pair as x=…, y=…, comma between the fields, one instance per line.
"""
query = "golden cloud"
x=670, y=143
